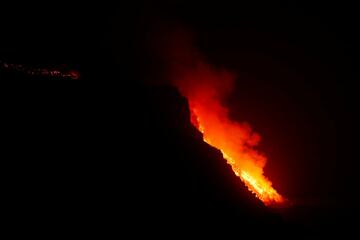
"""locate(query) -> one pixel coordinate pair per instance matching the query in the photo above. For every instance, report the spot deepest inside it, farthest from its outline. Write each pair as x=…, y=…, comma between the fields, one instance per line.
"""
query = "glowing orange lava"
x=245, y=162
x=207, y=88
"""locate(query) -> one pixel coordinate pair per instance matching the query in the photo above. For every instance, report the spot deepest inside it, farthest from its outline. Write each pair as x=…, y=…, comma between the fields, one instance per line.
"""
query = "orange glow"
x=206, y=89
x=245, y=162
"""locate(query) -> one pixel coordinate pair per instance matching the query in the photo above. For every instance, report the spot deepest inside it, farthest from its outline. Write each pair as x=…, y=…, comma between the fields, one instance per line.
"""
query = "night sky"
x=116, y=144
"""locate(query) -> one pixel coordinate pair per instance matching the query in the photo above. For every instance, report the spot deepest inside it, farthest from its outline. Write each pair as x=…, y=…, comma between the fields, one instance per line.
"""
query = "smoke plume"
x=206, y=87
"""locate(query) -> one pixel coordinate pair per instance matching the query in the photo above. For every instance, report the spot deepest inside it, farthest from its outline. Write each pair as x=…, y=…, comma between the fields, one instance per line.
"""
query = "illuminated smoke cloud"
x=206, y=87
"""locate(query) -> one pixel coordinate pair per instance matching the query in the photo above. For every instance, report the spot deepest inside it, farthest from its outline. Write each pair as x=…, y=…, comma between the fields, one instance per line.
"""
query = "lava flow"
x=206, y=88
x=31, y=71
x=245, y=162
x=236, y=141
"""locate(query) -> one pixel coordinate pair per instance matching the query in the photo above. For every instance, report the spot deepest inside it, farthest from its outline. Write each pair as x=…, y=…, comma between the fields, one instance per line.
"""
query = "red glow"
x=205, y=88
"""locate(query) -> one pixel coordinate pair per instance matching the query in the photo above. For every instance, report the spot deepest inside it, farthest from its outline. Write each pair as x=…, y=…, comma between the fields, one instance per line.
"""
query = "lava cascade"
x=206, y=88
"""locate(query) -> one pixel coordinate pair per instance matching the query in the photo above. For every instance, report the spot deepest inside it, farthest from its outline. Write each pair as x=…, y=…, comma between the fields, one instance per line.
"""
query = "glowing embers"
x=67, y=74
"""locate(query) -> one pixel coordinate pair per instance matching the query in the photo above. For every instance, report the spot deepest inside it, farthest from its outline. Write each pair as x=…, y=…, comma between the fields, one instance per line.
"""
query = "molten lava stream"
x=246, y=163
x=207, y=88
